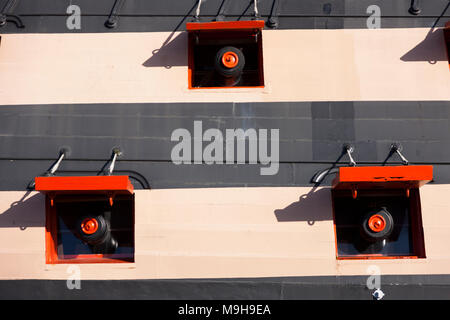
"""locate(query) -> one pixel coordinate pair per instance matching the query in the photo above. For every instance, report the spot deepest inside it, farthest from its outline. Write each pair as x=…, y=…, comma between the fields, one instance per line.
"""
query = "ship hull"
x=424, y=287
x=223, y=229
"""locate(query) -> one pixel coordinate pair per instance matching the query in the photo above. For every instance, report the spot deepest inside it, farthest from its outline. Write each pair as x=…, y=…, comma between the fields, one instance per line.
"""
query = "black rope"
x=415, y=7
x=222, y=9
x=113, y=19
x=7, y=13
x=272, y=21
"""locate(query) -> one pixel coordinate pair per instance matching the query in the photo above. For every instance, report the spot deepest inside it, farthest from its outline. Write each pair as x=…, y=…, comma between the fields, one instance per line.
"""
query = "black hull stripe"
x=47, y=16
x=311, y=139
x=424, y=287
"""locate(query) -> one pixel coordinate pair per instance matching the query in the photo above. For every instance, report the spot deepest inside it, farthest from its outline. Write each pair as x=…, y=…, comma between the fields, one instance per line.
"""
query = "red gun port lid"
x=73, y=184
x=225, y=25
x=108, y=185
x=385, y=177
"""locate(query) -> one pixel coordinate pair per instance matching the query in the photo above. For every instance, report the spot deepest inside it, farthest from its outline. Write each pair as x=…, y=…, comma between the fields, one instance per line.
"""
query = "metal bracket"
x=354, y=193
x=7, y=12
x=62, y=153
x=415, y=9
x=256, y=15
x=348, y=148
x=272, y=21
x=397, y=148
x=51, y=196
x=113, y=19
x=197, y=12
x=111, y=196
x=115, y=153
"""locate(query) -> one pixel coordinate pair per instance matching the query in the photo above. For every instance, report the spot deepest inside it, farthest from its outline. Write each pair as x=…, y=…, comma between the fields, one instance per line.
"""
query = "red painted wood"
x=385, y=177
x=83, y=183
x=225, y=25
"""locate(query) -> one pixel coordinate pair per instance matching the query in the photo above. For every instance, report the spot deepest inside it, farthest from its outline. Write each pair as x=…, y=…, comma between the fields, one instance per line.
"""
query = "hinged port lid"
x=224, y=25
x=392, y=177
x=84, y=184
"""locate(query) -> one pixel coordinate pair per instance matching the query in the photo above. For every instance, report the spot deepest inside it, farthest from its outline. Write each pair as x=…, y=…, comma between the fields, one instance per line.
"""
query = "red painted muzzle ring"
x=377, y=223
x=89, y=225
x=230, y=59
